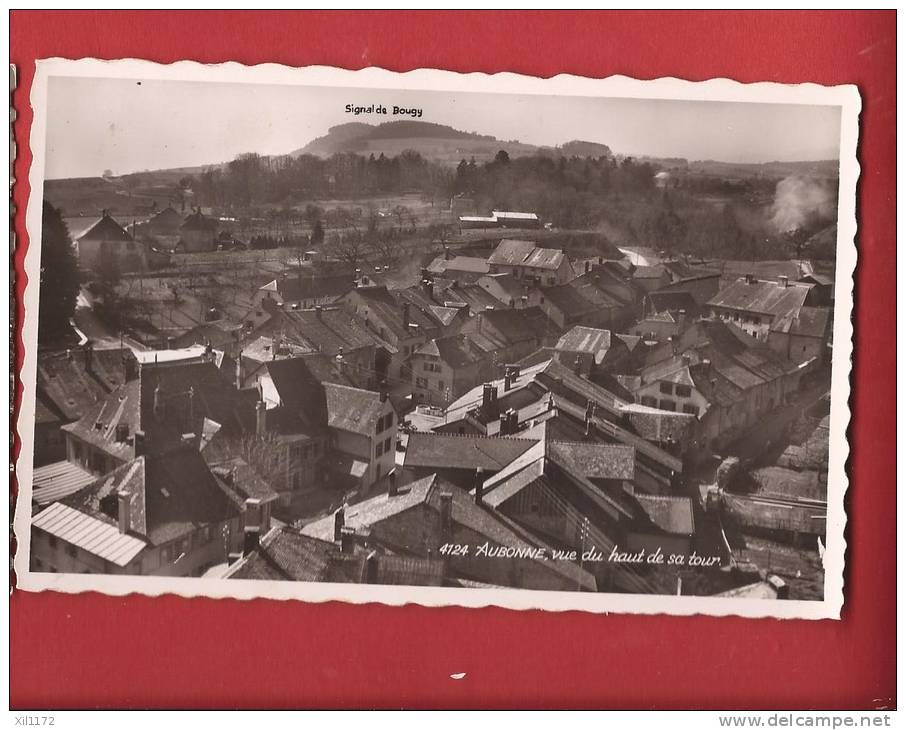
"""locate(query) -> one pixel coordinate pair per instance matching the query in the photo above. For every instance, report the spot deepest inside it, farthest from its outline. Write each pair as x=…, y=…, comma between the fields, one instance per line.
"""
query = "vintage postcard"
x=434, y=338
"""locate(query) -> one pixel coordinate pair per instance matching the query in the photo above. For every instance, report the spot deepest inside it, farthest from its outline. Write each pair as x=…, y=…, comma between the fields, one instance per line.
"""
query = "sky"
x=127, y=125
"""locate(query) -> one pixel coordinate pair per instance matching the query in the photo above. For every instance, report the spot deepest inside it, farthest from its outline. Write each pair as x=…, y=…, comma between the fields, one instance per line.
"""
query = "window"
x=421, y=382
x=387, y=445
x=684, y=391
x=378, y=449
x=667, y=388
x=648, y=400
x=689, y=408
x=380, y=425
x=440, y=385
x=667, y=405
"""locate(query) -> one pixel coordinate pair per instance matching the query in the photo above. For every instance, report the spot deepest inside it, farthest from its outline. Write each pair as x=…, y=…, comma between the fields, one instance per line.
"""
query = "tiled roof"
x=648, y=272
x=477, y=298
x=325, y=332
x=585, y=339
x=447, y=451
x=172, y=495
x=671, y=514
x=311, y=286
x=70, y=386
x=98, y=425
x=96, y=536
x=598, y=461
x=569, y=300
x=466, y=264
x=511, y=252
x=672, y=301
x=764, y=297
x=453, y=350
x=654, y=424
x=364, y=514
x=808, y=322
x=520, y=325
x=353, y=409
x=778, y=481
x=55, y=481
x=106, y=229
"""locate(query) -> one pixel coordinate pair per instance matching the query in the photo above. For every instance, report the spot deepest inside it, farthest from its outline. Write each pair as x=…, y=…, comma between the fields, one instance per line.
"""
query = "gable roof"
x=761, y=296
x=671, y=514
x=807, y=322
x=326, y=331
x=465, y=264
x=513, y=252
x=585, y=339
x=520, y=325
x=454, y=350
x=198, y=221
x=448, y=451
x=106, y=229
x=70, y=382
x=353, y=409
x=310, y=285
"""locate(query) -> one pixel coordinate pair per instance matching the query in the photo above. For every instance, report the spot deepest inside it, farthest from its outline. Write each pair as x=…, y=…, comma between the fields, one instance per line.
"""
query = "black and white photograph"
x=435, y=338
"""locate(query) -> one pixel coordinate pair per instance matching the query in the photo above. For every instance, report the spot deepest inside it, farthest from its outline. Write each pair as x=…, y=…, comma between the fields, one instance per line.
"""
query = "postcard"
x=437, y=338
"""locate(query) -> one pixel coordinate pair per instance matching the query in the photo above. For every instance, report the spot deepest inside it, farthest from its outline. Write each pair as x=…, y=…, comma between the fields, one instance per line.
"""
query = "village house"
x=583, y=495
x=362, y=426
x=650, y=278
x=455, y=457
x=165, y=514
x=285, y=553
x=567, y=307
x=462, y=269
x=699, y=282
x=405, y=319
x=198, y=232
x=108, y=240
x=446, y=367
x=515, y=219
x=359, y=351
x=591, y=350
x=473, y=297
x=304, y=289
x=510, y=291
x=526, y=260
x=719, y=375
x=803, y=336
x=507, y=335
x=754, y=305
x=166, y=222
x=68, y=384
x=419, y=518
x=616, y=298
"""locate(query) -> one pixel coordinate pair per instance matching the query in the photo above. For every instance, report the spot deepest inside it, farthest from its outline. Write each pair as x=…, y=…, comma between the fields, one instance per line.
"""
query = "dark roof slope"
x=448, y=451
x=106, y=229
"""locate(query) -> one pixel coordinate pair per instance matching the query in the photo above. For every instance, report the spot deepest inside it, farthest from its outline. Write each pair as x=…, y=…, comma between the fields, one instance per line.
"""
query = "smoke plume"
x=801, y=202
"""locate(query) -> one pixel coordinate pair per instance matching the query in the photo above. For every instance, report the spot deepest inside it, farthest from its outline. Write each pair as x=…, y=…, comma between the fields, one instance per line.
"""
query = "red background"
x=95, y=651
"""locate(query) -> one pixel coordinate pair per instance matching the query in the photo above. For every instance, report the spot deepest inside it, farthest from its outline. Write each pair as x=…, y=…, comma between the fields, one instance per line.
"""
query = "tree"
x=59, y=276
x=317, y=234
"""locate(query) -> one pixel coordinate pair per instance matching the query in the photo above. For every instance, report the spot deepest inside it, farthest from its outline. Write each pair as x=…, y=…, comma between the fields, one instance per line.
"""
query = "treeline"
x=252, y=180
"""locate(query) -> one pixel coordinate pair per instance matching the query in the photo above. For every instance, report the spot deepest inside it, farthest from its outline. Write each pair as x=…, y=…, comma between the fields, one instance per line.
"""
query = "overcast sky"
x=128, y=126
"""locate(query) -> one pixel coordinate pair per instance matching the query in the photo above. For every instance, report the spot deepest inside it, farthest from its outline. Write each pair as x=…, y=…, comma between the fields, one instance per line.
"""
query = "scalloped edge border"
x=715, y=89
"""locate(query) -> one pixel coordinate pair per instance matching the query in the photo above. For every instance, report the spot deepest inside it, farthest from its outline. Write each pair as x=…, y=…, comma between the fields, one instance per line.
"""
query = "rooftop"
x=353, y=409
x=448, y=451
x=96, y=536
x=762, y=296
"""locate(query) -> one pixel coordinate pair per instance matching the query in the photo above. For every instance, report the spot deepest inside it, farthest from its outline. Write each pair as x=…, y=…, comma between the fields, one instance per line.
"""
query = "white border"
x=847, y=97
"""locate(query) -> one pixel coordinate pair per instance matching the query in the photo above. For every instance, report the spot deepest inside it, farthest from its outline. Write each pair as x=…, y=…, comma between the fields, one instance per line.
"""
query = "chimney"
x=339, y=522
x=371, y=568
x=138, y=443
x=319, y=311
x=507, y=379
x=251, y=535
x=780, y=587
x=239, y=370
x=487, y=391
x=784, y=281
x=479, y=486
x=260, y=419
x=687, y=359
x=124, y=519
x=158, y=405
x=750, y=279
x=577, y=366
x=191, y=405
x=428, y=287
x=707, y=365
x=674, y=345
x=89, y=356
x=347, y=540
x=122, y=433
x=405, y=314
x=383, y=394
x=392, y=488
x=446, y=515
x=681, y=317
